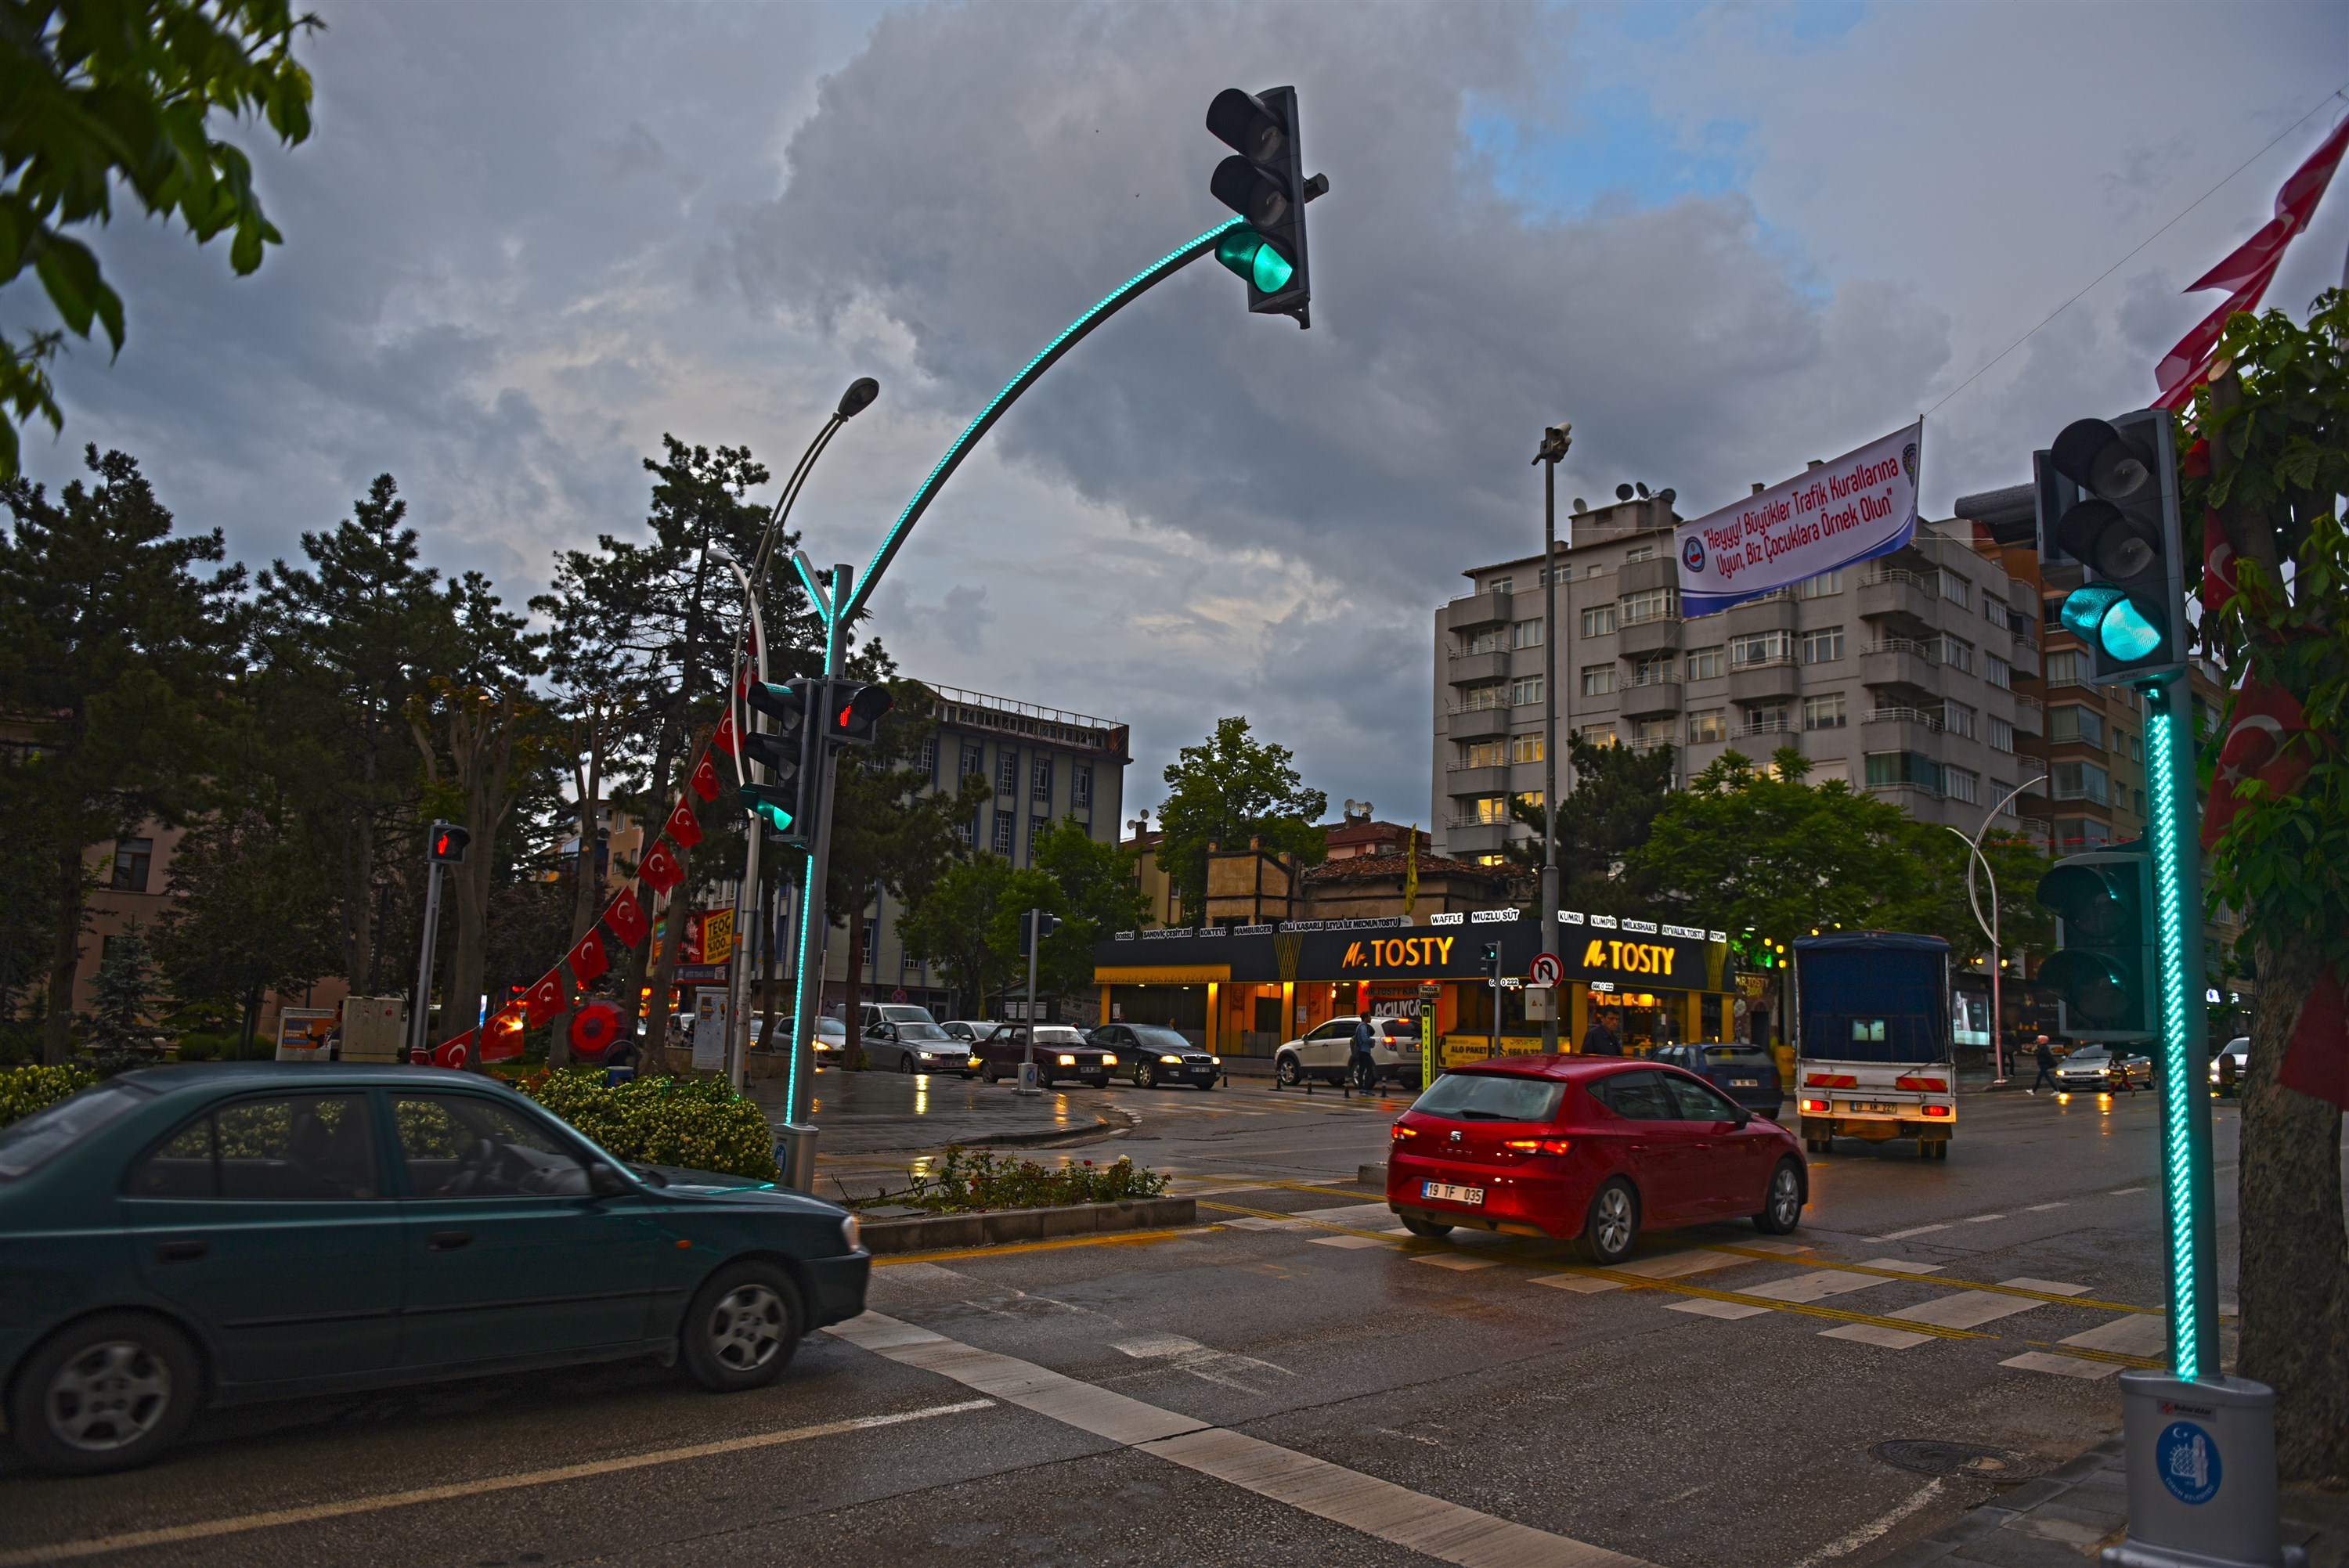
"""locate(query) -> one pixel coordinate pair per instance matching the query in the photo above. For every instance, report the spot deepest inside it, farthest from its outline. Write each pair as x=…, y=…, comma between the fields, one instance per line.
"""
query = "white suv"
x=1326, y=1051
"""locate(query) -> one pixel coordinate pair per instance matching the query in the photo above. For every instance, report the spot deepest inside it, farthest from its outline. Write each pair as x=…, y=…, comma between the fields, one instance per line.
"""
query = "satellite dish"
x=1668, y=496
x=1642, y=489
x=1622, y=493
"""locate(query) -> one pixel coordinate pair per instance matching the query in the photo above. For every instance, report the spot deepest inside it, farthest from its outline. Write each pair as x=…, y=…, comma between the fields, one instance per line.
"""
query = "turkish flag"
x=684, y=826
x=587, y=959
x=502, y=1041
x=722, y=737
x=2316, y=1058
x=705, y=778
x=661, y=870
x=626, y=920
x=453, y=1051
x=2183, y=367
x=2260, y=746
x=543, y=1000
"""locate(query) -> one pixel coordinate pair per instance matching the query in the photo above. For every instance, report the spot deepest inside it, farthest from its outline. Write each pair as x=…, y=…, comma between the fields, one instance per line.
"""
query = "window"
x=974, y=760
x=1957, y=653
x=1491, y=809
x=2001, y=734
x=1764, y=718
x=1040, y=779
x=1823, y=646
x=1957, y=719
x=1996, y=613
x=1998, y=672
x=1037, y=828
x=1006, y=826
x=132, y=859
x=2137, y=749
x=1483, y=640
x=1960, y=784
x=1638, y=552
x=1651, y=604
x=1761, y=648
x=1490, y=1097
x=1636, y=1096
x=1819, y=587
x=1829, y=771
x=292, y=1148
x=1651, y=669
x=1888, y=769
x=1596, y=734
x=1708, y=723
x=2075, y=834
x=458, y=1146
x=1696, y=1102
x=1555, y=575
x=930, y=754
x=1956, y=589
x=1080, y=784
x=1825, y=712
x=1525, y=690
x=1653, y=732
x=2069, y=668
x=1525, y=634
x=1500, y=585
x=1598, y=622
x=2072, y=722
x=2081, y=781
x=966, y=831
x=1530, y=799
x=1598, y=680
x=2138, y=795
x=1481, y=754
x=1007, y=773
x=1526, y=748
x=1478, y=699
x=1704, y=663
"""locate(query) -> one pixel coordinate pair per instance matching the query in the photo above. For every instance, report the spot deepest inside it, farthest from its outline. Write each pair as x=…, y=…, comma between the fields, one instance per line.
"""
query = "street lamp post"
x=1554, y=441
x=1989, y=929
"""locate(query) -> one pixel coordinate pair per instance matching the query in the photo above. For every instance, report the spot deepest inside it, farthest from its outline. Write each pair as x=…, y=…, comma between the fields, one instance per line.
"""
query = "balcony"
x=1478, y=723
x=1476, y=610
x=1650, y=698
x=1773, y=612
x=1476, y=669
x=1900, y=662
x=1649, y=636
x=1929, y=717
x=1777, y=676
x=1490, y=780
x=1465, y=837
x=1901, y=728
x=1773, y=725
x=1890, y=590
x=2030, y=716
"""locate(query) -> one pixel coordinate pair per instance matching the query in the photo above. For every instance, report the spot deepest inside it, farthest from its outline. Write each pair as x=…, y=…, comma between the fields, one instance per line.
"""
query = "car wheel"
x=989, y=1074
x=1410, y=1085
x=1612, y=1224
x=108, y=1393
x=1145, y=1075
x=1287, y=1074
x=1101, y=1082
x=1433, y=1230
x=1782, y=1204
x=905, y=1064
x=741, y=1330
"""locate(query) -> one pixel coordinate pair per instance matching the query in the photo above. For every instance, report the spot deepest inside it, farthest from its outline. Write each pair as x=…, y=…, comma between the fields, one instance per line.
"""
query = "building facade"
x=1897, y=677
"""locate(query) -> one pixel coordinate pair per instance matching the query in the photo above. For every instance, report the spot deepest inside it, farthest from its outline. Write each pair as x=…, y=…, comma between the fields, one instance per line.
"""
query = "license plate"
x=1874, y=1108
x=1745, y=1083
x=1450, y=1192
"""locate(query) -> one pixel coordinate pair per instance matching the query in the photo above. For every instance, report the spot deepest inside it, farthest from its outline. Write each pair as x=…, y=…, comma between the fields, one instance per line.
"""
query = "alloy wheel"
x=109, y=1396
x=747, y=1327
x=1786, y=1198
x=1612, y=1220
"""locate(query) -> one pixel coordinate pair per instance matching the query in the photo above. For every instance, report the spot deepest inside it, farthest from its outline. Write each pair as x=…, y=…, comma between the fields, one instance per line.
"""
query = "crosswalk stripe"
x=2134, y=1336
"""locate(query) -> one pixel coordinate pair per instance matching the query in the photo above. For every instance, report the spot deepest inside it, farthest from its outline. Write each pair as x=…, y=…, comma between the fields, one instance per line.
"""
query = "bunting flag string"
x=543, y=1000
x=661, y=870
x=722, y=737
x=587, y=960
x=626, y=917
x=502, y=1040
x=705, y=778
x=684, y=826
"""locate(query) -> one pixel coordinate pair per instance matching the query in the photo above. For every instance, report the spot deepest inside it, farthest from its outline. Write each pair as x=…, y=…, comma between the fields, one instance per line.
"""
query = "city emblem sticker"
x=2189, y=1462
x=1693, y=553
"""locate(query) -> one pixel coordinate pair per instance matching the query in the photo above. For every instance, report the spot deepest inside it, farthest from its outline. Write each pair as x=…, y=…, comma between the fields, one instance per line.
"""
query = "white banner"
x=1862, y=505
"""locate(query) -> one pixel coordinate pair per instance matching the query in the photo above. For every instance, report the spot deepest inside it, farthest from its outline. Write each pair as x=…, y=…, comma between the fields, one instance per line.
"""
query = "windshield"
x=40, y=1138
x=1159, y=1040
x=831, y=1028
x=1731, y=1053
x=922, y=1032
x=1491, y=1096
x=1049, y=1036
x=903, y=1015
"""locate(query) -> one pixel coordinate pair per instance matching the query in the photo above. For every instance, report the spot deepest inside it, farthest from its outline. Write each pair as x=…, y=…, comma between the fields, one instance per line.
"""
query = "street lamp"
x=1989, y=929
x=1554, y=441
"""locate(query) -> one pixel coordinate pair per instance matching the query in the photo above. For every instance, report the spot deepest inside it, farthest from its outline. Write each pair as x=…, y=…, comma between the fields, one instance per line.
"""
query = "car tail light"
x=1924, y=1084
x=1402, y=1132
x=1831, y=1080
x=1818, y=1105
x=1937, y=1110
x=1538, y=1145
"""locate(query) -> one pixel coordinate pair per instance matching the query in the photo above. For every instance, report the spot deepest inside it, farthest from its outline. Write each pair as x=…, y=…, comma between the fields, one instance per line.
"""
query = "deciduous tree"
x=1232, y=789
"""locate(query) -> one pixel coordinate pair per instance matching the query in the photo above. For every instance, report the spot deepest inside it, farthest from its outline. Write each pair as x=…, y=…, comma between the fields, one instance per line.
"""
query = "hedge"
x=700, y=1124
x=24, y=1090
x=963, y=1181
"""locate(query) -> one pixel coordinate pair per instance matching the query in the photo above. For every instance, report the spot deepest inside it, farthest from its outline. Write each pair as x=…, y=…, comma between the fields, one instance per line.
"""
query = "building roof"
x=1368, y=868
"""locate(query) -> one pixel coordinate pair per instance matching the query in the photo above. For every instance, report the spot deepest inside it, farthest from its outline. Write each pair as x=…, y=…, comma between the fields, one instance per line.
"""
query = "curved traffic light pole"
x=848, y=596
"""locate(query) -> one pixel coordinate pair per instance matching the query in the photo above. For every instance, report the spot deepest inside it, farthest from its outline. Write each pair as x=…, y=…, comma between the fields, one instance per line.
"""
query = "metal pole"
x=1990, y=927
x=745, y=897
x=416, y=1025
x=1552, y=451
x=1028, y=1067
x=813, y=916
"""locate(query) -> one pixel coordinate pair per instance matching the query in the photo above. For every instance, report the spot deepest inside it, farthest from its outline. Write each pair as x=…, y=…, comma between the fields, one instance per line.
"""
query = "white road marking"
x=2138, y=1333
x=1155, y=1344
x=1816, y=1286
x=1352, y=1241
x=1845, y=1545
x=1260, y=1222
x=1581, y=1285
x=2061, y=1366
x=1363, y=1216
x=130, y=1540
x=1965, y=1309
x=1409, y=1519
x=1455, y=1260
x=1981, y=1219
x=2123, y=1191
x=1904, y=1235
x=2042, y=1208
x=922, y=1276
x=1674, y=1266
x=1727, y=1311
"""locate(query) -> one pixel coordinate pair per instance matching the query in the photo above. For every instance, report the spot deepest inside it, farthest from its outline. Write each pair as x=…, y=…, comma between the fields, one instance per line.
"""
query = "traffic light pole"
x=418, y=1032
x=807, y=990
x=1554, y=441
x=2191, y=1251
x=745, y=897
x=1028, y=1059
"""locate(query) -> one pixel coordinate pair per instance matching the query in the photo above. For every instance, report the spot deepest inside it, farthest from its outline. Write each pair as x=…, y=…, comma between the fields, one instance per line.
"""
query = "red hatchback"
x=1591, y=1149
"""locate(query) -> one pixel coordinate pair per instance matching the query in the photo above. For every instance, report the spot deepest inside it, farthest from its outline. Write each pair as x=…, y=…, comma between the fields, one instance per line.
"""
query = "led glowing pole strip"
x=2185, y=1106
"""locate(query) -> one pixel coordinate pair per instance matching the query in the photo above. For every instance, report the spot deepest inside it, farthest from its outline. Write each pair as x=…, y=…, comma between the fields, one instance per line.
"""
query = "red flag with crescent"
x=626, y=920
x=684, y=826
x=454, y=1051
x=587, y=959
x=502, y=1041
x=722, y=737
x=543, y=1000
x=660, y=869
x=2265, y=743
x=705, y=778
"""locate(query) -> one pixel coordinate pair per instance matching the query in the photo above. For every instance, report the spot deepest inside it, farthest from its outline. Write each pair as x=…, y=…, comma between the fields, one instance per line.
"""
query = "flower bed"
x=24, y=1090
x=964, y=1183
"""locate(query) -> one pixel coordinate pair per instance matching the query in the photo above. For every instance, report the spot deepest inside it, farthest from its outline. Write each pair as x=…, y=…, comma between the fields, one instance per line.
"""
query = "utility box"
x=1540, y=1004
x=374, y=1029
x=2201, y=1475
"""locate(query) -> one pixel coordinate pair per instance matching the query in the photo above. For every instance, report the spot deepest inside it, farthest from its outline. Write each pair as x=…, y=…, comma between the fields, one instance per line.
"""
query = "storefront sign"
x=1862, y=505
x=1672, y=961
x=1399, y=952
x=1603, y=956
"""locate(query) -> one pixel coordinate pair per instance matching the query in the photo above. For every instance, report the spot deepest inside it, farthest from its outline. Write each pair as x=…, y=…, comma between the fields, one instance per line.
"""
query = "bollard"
x=2201, y=1475
x=795, y=1153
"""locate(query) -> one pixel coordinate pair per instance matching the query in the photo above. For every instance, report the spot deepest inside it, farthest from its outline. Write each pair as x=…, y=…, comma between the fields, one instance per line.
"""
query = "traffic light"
x=853, y=711
x=2109, y=500
x=2104, y=968
x=445, y=845
x=1264, y=182
x=776, y=801
x=1043, y=926
x=1493, y=958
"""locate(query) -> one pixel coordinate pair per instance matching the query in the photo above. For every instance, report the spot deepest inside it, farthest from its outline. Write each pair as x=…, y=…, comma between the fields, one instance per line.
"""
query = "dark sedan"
x=179, y=1235
x=1150, y=1055
x=1060, y=1053
x=1746, y=1074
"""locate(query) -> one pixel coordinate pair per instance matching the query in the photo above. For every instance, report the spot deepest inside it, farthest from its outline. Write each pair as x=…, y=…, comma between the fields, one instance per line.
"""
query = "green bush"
x=204, y=1045
x=24, y=1090
x=965, y=1181
x=700, y=1124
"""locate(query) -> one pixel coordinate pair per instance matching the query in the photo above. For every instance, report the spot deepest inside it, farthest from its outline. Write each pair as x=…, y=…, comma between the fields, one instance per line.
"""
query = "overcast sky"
x=524, y=240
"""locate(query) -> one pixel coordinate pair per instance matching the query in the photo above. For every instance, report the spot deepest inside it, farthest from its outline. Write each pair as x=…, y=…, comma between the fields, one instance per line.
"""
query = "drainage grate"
x=1928, y=1455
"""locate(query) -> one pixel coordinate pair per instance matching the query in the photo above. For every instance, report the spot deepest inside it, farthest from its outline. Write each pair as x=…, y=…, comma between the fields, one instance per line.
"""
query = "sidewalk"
x=2064, y=1517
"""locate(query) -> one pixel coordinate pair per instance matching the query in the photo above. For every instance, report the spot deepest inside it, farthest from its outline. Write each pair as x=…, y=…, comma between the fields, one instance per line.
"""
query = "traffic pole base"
x=2201, y=1475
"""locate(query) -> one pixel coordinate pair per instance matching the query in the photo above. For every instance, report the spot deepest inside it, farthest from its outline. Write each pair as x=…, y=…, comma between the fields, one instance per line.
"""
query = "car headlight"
x=1216, y=1061
x=1068, y=1061
x=927, y=1055
x=849, y=1232
x=1177, y=1060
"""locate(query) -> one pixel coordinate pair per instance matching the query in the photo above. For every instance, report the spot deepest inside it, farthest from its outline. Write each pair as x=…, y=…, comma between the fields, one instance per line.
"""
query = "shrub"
x=206, y=1045
x=24, y=1090
x=700, y=1124
x=963, y=1182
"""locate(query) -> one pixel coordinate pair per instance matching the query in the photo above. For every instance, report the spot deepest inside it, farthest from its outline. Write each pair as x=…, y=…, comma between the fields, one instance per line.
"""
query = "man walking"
x=2046, y=1056
x=1362, y=1069
x=1600, y=1039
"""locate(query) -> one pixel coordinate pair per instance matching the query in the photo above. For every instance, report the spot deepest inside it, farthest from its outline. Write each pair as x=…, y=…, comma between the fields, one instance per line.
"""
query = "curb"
x=943, y=1232
x=1372, y=1175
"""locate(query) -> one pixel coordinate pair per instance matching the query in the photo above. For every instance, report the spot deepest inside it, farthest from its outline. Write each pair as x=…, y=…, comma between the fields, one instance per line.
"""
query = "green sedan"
x=181, y=1236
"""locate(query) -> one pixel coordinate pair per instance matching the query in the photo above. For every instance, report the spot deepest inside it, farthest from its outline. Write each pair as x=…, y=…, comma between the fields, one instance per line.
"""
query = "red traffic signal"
x=853, y=711
x=445, y=845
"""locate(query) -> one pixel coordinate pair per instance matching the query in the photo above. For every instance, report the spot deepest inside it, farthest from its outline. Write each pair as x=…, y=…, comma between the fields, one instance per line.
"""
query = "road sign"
x=1546, y=970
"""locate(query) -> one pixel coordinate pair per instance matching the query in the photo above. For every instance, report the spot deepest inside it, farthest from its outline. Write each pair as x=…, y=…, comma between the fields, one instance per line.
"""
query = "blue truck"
x=1875, y=1043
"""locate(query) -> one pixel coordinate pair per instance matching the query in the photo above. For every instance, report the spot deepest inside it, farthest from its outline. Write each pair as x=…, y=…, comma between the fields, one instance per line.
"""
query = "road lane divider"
x=239, y=1524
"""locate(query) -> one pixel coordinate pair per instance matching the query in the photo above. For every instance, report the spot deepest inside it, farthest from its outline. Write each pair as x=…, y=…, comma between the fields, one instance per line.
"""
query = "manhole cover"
x=1928, y=1455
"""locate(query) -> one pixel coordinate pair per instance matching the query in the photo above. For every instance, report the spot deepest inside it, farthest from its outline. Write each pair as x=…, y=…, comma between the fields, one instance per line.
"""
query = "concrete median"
x=938, y=1233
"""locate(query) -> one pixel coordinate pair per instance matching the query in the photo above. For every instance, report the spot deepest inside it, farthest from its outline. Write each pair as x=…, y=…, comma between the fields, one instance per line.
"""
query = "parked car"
x=1591, y=1149
x=2228, y=1063
x=1746, y=1074
x=831, y=1037
x=2094, y=1068
x=178, y=1236
x=1061, y=1052
x=915, y=1045
x=1326, y=1052
x=1151, y=1053
x=969, y=1030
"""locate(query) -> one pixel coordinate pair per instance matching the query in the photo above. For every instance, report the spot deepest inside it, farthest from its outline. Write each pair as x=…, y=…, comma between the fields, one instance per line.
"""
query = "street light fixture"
x=1555, y=442
x=1989, y=929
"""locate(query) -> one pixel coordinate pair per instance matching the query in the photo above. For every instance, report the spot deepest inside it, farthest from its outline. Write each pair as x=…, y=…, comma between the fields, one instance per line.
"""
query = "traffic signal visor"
x=2112, y=619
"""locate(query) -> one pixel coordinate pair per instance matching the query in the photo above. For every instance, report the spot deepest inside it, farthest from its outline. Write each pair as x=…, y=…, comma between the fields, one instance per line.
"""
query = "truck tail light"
x=1819, y=1106
x=1924, y=1084
x=1538, y=1145
x=1937, y=1110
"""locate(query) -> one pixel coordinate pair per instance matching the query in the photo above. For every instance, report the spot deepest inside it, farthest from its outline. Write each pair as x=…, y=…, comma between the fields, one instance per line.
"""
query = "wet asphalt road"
x=1288, y=1383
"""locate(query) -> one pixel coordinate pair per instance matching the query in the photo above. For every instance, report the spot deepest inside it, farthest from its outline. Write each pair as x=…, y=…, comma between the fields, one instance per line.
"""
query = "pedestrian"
x=2227, y=1073
x=1601, y=1039
x=1363, y=1069
x=2046, y=1055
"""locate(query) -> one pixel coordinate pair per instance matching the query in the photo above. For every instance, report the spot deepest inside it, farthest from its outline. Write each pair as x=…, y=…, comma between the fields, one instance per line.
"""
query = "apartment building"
x=1897, y=677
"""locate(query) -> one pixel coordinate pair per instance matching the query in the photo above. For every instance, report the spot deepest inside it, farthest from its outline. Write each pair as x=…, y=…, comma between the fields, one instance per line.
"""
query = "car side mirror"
x=606, y=1182
x=1741, y=1118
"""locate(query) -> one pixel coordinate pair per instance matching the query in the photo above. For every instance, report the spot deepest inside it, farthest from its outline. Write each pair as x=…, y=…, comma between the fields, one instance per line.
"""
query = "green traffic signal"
x=2109, y=618
x=771, y=803
x=1256, y=259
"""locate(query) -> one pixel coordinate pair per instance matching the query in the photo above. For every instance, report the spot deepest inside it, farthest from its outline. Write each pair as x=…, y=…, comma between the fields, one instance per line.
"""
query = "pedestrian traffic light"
x=1492, y=958
x=853, y=711
x=776, y=798
x=445, y=845
x=2103, y=969
x=2109, y=500
x=1264, y=182
x=1043, y=926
